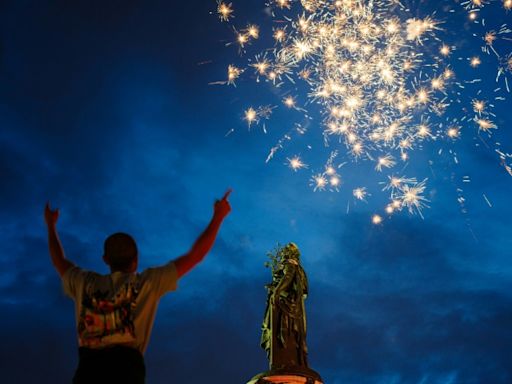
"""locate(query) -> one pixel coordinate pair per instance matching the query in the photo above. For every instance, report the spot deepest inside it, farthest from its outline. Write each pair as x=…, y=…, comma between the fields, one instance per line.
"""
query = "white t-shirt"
x=118, y=308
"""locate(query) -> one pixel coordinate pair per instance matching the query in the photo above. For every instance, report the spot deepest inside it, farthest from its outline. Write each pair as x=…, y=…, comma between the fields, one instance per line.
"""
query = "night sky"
x=106, y=110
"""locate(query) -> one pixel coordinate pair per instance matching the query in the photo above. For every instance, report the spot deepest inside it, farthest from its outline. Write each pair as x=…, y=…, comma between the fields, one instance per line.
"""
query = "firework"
x=380, y=79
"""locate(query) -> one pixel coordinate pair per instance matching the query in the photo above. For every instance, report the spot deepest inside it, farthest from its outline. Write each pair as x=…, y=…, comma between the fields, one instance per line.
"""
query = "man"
x=115, y=312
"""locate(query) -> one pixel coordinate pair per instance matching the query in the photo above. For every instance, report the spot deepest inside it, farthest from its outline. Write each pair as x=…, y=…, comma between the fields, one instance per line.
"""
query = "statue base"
x=287, y=376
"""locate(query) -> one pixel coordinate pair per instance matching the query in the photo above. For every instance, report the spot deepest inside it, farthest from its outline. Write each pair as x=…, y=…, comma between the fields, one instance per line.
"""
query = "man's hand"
x=54, y=246
x=50, y=216
x=222, y=208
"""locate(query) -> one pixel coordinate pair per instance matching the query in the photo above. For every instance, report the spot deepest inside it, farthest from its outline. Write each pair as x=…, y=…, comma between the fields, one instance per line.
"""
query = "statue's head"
x=291, y=251
x=120, y=253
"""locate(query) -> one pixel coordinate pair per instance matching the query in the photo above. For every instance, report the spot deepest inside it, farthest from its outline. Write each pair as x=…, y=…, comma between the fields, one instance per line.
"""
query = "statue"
x=284, y=325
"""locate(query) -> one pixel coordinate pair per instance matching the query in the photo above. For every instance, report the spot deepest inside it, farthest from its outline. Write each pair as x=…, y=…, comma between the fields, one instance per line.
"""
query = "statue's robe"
x=284, y=325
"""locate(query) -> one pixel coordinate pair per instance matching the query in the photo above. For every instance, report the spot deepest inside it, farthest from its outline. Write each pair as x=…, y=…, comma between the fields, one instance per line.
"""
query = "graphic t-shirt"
x=118, y=308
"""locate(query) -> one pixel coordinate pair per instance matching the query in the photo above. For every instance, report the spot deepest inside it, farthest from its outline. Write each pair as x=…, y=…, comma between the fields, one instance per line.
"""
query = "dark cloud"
x=416, y=336
x=408, y=311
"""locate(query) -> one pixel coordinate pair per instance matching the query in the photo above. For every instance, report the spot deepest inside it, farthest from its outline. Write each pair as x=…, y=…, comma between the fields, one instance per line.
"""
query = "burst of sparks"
x=360, y=193
x=283, y=3
x=335, y=181
x=296, y=163
x=224, y=11
x=478, y=106
x=453, y=132
x=289, y=102
x=319, y=182
x=485, y=125
x=253, y=31
x=250, y=116
x=233, y=74
x=385, y=162
x=279, y=35
x=412, y=198
x=445, y=50
x=382, y=78
x=416, y=28
x=490, y=37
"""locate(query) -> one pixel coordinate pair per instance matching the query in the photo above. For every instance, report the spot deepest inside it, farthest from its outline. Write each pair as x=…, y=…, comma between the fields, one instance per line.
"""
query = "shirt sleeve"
x=163, y=279
x=72, y=280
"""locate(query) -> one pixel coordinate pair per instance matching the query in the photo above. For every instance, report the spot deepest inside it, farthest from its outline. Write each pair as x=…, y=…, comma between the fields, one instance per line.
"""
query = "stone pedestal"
x=288, y=379
x=287, y=376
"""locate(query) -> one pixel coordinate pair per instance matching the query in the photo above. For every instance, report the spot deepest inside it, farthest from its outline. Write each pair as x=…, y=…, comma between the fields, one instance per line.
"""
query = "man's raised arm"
x=54, y=245
x=205, y=242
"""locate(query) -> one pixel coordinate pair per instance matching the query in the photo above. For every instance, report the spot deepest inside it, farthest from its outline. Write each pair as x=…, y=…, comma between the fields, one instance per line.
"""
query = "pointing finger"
x=226, y=195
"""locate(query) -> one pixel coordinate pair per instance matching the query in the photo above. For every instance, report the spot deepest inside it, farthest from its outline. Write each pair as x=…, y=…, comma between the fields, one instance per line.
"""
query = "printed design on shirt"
x=105, y=319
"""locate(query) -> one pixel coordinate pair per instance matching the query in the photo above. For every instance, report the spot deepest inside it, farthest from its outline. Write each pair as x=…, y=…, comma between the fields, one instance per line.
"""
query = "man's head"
x=120, y=253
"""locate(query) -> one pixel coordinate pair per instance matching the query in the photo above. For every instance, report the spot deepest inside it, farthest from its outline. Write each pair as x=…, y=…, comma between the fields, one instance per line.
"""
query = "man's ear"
x=105, y=259
x=134, y=265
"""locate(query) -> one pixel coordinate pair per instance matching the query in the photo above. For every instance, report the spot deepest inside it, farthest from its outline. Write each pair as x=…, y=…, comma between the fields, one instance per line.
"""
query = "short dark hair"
x=120, y=250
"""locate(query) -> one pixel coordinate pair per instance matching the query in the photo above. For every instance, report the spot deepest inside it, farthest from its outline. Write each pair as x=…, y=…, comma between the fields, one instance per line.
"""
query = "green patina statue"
x=284, y=326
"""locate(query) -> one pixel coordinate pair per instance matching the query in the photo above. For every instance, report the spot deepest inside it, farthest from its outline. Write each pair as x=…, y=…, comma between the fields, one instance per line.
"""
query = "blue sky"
x=106, y=111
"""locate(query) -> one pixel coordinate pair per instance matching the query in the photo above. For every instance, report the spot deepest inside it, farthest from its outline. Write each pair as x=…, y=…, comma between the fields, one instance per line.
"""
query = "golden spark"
x=376, y=219
x=296, y=163
x=224, y=11
x=360, y=193
x=485, y=125
x=478, y=106
x=453, y=132
x=233, y=74
x=386, y=162
x=250, y=116
x=475, y=62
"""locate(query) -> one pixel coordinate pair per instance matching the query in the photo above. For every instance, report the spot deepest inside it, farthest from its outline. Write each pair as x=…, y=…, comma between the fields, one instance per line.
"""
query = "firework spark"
x=377, y=219
x=360, y=193
x=225, y=11
x=296, y=163
x=233, y=74
x=412, y=198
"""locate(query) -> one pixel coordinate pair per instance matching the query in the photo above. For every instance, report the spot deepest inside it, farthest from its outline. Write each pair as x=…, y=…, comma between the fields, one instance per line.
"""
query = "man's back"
x=118, y=308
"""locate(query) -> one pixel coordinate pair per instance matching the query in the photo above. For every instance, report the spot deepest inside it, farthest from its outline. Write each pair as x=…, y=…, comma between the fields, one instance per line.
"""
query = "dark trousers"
x=113, y=365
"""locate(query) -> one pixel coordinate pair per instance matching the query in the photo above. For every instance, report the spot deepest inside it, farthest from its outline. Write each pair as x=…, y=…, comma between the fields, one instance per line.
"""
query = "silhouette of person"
x=115, y=312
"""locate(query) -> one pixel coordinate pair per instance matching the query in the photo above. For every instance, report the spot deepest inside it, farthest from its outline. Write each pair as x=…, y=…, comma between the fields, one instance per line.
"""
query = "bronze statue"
x=284, y=326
